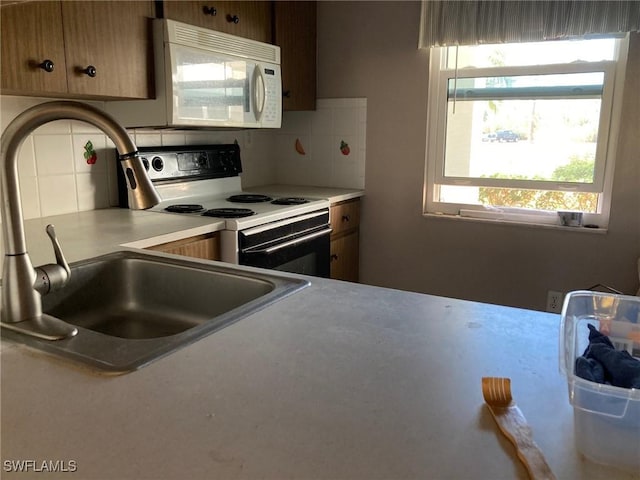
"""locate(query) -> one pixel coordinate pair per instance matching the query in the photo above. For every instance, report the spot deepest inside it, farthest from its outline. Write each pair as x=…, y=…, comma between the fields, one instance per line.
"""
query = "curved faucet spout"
x=21, y=301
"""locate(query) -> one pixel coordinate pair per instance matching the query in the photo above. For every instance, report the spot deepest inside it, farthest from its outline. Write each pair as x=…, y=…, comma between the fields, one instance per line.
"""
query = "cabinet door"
x=295, y=33
x=250, y=19
x=31, y=34
x=115, y=39
x=345, y=257
x=204, y=246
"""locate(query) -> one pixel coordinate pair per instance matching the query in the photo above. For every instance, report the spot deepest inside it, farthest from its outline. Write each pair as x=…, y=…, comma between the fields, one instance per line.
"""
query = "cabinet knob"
x=233, y=19
x=286, y=93
x=345, y=218
x=210, y=11
x=334, y=257
x=90, y=71
x=47, y=66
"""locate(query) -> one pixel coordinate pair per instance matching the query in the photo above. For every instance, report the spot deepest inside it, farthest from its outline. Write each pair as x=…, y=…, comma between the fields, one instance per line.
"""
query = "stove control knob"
x=145, y=162
x=202, y=160
x=224, y=162
x=157, y=163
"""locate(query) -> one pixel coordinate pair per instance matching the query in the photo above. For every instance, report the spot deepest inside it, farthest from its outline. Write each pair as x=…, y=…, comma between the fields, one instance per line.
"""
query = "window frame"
x=437, y=109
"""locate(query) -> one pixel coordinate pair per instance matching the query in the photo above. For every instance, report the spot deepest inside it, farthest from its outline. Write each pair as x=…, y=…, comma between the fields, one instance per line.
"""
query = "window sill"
x=459, y=218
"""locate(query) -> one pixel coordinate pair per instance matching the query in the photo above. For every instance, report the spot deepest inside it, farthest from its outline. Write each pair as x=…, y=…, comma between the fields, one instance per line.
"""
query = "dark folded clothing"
x=602, y=363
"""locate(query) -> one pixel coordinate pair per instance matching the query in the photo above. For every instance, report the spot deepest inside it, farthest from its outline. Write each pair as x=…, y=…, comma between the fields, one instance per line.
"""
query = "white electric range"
x=289, y=234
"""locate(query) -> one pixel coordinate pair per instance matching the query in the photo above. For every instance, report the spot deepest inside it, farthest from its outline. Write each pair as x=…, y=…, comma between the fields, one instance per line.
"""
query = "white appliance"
x=291, y=234
x=207, y=79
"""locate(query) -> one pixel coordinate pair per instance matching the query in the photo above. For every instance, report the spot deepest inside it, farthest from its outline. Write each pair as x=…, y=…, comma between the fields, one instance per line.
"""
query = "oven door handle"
x=295, y=241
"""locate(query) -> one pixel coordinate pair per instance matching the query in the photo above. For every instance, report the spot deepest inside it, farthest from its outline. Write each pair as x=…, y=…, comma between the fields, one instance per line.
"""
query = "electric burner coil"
x=249, y=198
x=229, y=212
x=290, y=201
x=184, y=208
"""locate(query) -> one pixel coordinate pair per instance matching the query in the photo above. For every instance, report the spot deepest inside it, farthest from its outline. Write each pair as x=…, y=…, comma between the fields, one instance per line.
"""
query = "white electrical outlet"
x=554, y=301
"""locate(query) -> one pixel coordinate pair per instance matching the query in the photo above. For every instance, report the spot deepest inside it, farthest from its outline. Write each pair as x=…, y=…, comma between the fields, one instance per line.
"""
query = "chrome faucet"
x=22, y=284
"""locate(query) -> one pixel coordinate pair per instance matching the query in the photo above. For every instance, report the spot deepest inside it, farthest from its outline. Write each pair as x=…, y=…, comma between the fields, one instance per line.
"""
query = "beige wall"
x=368, y=49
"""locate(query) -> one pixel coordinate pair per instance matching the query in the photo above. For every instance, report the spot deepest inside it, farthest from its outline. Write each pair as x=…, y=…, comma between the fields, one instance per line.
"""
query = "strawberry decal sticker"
x=344, y=148
x=90, y=154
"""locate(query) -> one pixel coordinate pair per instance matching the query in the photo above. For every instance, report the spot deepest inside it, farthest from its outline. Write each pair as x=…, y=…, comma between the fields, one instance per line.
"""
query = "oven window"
x=307, y=265
x=306, y=258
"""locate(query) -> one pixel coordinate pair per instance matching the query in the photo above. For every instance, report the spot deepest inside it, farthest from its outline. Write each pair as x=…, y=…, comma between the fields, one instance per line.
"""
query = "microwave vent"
x=197, y=37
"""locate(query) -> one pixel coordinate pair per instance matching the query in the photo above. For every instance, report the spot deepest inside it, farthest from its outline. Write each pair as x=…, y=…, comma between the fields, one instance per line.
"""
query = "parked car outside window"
x=489, y=137
x=507, y=136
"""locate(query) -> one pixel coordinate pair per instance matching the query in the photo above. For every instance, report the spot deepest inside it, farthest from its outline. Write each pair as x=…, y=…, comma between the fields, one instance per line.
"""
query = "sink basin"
x=132, y=308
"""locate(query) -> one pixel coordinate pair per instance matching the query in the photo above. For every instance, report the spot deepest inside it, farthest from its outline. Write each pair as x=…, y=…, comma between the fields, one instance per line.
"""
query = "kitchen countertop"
x=338, y=381
x=96, y=232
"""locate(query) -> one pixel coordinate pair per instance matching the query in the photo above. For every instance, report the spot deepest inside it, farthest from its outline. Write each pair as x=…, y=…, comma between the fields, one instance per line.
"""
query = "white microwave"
x=206, y=78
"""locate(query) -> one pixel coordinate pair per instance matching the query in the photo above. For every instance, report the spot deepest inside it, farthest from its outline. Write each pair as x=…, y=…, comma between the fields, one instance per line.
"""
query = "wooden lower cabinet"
x=345, y=240
x=206, y=247
x=345, y=257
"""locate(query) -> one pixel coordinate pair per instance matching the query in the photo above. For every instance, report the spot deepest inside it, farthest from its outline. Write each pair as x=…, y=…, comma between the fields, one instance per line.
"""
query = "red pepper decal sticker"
x=344, y=148
x=90, y=154
x=299, y=147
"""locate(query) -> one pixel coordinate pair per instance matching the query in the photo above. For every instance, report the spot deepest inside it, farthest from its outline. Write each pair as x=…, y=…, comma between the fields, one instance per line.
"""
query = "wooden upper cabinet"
x=74, y=35
x=32, y=35
x=295, y=33
x=109, y=48
x=249, y=19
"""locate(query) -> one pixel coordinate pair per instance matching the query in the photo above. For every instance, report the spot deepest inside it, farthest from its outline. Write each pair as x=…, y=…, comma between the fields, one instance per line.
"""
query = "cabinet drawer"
x=203, y=246
x=345, y=216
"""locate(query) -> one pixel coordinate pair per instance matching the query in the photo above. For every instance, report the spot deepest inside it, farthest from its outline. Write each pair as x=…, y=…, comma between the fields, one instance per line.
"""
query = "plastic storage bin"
x=606, y=418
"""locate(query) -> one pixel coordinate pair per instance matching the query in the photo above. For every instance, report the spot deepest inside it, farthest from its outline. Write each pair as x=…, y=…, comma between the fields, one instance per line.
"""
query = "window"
x=518, y=132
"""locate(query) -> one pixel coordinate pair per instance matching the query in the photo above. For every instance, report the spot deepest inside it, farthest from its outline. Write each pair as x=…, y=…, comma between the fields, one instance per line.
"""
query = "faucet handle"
x=57, y=250
x=52, y=276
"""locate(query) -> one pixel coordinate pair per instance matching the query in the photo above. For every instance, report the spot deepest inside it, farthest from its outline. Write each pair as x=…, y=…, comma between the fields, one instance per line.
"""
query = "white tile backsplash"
x=92, y=190
x=27, y=159
x=55, y=178
x=30, y=197
x=99, y=142
x=54, y=154
x=84, y=127
x=147, y=139
x=57, y=194
x=321, y=134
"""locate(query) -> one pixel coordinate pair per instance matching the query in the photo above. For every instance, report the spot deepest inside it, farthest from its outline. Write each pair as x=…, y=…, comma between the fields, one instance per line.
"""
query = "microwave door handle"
x=259, y=92
x=295, y=241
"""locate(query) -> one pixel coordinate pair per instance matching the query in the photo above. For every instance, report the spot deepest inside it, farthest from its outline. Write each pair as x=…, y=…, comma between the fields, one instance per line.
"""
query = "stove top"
x=205, y=180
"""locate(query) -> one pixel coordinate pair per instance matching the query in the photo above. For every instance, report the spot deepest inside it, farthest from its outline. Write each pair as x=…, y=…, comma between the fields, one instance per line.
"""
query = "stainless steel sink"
x=132, y=308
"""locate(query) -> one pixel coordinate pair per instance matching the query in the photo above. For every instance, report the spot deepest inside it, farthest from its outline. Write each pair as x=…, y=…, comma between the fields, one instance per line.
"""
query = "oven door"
x=298, y=245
